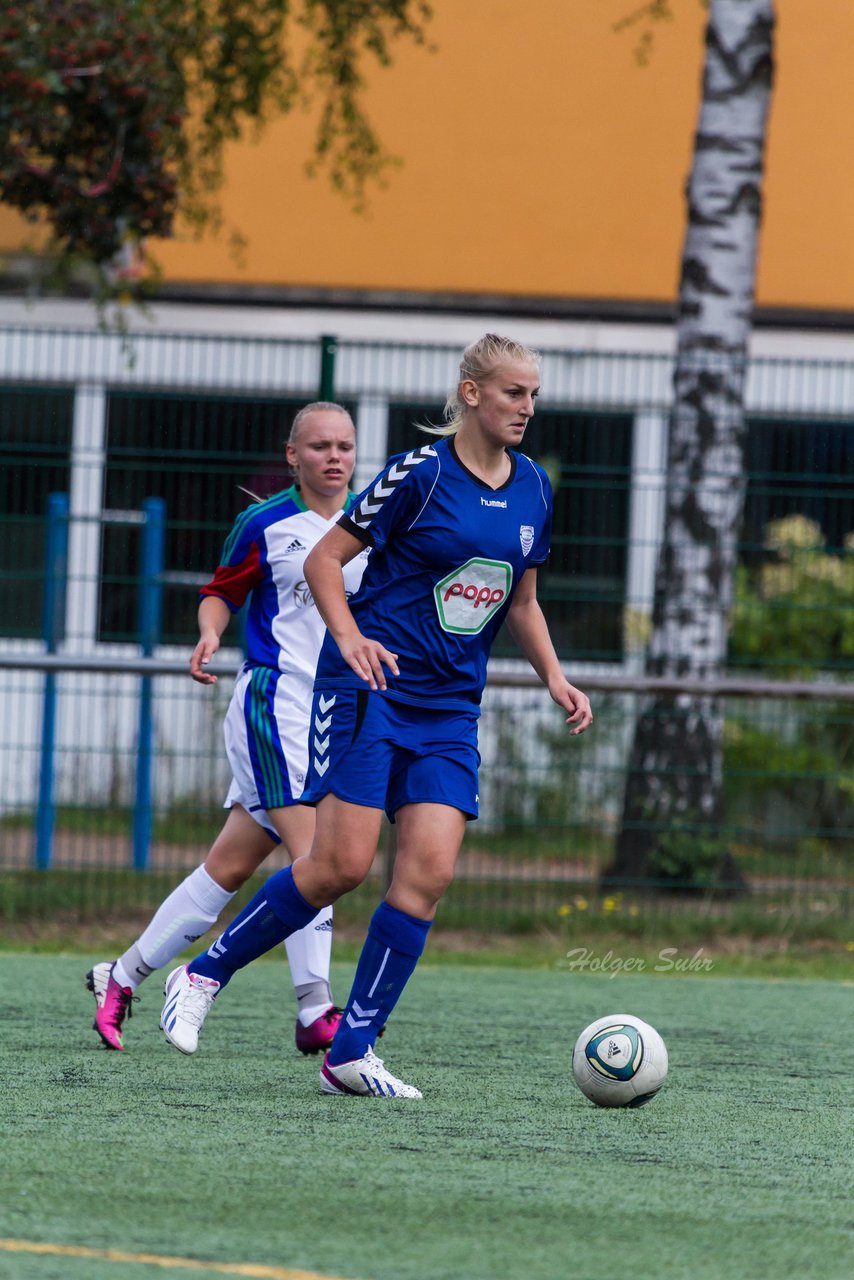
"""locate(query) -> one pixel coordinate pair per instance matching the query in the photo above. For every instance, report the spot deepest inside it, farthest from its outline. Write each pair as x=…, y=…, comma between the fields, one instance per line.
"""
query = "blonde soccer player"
x=266, y=726
x=457, y=529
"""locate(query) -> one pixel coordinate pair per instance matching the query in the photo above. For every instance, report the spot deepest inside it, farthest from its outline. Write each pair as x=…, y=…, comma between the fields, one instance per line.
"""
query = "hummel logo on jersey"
x=493, y=502
x=363, y=514
x=296, y=545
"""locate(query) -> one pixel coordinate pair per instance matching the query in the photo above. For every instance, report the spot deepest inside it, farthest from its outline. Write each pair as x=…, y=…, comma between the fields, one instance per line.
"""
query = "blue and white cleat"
x=364, y=1076
x=189, y=997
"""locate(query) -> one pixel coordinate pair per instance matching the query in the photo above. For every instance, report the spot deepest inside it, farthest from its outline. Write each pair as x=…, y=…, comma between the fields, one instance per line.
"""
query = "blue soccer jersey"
x=448, y=554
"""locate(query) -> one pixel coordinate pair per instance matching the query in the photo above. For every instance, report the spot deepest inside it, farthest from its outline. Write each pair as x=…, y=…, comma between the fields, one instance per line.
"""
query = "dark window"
x=199, y=454
x=35, y=446
x=582, y=586
x=403, y=423
x=803, y=468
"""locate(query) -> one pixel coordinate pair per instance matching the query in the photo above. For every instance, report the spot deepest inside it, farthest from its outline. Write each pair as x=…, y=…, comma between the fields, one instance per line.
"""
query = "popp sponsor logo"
x=477, y=595
x=468, y=596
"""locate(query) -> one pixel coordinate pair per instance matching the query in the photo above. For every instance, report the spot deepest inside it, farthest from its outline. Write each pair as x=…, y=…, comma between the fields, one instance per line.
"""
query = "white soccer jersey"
x=265, y=554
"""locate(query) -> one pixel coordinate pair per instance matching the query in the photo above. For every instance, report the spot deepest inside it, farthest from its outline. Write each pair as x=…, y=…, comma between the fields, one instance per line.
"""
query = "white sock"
x=313, y=1001
x=309, y=955
x=184, y=916
x=130, y=969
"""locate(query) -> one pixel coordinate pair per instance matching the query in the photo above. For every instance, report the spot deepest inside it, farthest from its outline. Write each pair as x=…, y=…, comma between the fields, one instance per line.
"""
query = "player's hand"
x=575, y=702
x=367, y=658
x=201, y=656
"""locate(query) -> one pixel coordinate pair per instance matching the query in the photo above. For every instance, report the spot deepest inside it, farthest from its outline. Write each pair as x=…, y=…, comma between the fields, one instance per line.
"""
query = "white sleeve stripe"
x=429, y=495
x=536, y=472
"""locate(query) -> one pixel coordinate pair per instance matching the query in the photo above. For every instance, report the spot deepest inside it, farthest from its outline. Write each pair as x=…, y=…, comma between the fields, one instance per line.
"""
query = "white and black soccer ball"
x=619, y=1061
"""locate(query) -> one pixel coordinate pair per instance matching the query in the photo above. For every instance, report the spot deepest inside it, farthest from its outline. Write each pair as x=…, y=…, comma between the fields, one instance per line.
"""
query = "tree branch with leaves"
x=114, y=116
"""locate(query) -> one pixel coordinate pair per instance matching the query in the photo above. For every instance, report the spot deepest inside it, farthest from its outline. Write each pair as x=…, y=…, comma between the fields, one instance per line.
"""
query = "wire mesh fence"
x=550, y=804
x=124, y=465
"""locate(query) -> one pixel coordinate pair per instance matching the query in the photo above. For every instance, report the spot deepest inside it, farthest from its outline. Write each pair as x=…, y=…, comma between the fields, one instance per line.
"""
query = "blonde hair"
x=479, y=362
x=316, y=406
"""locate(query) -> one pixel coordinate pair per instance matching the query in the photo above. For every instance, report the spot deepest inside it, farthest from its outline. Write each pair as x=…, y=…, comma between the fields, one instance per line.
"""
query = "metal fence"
x=123, y=463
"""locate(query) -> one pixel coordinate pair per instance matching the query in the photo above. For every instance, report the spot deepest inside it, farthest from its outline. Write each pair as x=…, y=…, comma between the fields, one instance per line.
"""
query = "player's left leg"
x=429, y=838
x=432, y=794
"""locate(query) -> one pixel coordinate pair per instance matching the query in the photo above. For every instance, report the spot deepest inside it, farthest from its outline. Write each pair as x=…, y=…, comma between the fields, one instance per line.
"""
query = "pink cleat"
x=113, y=1004
x=318, y=1035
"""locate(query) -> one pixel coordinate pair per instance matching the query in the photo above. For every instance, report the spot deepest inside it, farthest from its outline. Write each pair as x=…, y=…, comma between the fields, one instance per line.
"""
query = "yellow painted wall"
x=539, y=158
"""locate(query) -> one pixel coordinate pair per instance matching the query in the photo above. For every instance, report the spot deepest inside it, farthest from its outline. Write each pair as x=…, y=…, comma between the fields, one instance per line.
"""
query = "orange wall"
x=539, y=158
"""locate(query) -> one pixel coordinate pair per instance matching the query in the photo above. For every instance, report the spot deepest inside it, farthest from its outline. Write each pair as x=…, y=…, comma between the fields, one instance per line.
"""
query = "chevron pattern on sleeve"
x=363, y=514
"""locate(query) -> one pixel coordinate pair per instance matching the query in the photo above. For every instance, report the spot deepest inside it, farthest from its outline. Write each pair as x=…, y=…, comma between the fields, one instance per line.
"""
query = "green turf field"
x=740, y=1168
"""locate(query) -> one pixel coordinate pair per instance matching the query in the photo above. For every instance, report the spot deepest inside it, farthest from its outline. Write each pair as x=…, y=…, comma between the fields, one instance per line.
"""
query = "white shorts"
x=266, y=740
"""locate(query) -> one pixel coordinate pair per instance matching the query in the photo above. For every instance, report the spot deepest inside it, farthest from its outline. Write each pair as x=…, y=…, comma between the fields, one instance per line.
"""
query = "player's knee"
x=427, y=886
x=349, y=878
x=233, y=870
x=335, y=875
x=438, y=881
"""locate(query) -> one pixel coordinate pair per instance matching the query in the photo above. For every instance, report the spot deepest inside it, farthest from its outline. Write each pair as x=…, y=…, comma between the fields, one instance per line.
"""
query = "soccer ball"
x=619, y=1061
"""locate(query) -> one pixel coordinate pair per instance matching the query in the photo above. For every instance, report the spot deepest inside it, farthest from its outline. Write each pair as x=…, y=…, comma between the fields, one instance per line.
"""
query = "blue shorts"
x=371, y=750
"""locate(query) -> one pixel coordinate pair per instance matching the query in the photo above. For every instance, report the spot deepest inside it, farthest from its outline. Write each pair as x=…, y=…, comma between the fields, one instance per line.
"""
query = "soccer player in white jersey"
x=266, y=726
x=457, y=530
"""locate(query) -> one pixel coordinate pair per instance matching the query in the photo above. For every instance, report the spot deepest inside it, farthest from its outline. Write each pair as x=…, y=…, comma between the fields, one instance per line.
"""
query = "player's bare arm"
x=528, y=627
x=323, y=573
x=213, y=616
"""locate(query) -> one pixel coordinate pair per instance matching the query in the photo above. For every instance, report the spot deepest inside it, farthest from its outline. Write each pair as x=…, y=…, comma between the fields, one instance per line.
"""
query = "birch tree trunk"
x=672, y=808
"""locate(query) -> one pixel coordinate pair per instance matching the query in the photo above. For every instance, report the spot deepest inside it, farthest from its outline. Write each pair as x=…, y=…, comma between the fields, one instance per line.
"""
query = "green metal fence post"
x=328, y=352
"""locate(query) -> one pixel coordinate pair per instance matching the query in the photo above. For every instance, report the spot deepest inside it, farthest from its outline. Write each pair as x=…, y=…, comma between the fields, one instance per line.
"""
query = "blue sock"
x=392, y=949
x=277, y=910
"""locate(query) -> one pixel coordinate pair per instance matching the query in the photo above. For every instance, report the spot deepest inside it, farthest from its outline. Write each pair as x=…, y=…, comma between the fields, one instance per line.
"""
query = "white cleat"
x=98, y=979
x=189, y=997
x=366, y=1075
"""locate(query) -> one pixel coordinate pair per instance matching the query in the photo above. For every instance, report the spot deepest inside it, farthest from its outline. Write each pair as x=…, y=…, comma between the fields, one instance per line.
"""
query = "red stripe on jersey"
x=233, y=582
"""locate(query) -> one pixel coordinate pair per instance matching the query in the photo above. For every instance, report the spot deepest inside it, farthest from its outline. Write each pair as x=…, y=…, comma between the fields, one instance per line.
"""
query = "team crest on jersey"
x=468, y=597
x=526, y=537
x=303, y=598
